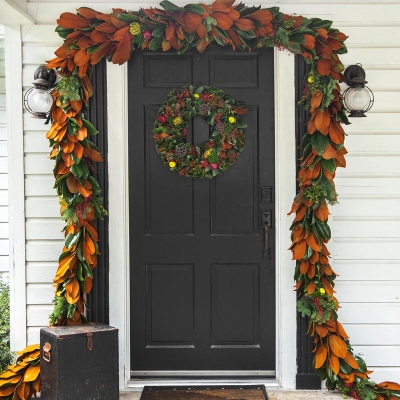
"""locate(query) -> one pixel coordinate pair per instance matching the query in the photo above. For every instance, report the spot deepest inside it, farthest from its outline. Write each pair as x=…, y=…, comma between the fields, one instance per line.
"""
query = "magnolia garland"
x=89, y=36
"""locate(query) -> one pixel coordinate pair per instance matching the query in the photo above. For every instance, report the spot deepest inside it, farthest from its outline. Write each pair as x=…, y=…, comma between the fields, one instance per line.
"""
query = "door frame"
x=285, y=190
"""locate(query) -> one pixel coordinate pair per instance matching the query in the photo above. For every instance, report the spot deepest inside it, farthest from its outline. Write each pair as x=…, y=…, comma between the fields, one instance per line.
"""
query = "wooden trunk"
x=79, y=362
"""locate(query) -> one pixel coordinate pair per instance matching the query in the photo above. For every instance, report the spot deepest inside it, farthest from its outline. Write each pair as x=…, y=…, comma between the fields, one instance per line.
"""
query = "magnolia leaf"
x=156, y=43
x=63, y=32
x=344, y=367
x=246, y=34
x=189, y=36
x=329, y=165
x=319, y=142
x=195, y=8
x=320, y=357
x=128, y=18
x=338, y=346
x=297, y=38
x=168, y=6
x=159, y=31
x=320, y=23
x=334, y=363
x=361, y=364
x=90, y=128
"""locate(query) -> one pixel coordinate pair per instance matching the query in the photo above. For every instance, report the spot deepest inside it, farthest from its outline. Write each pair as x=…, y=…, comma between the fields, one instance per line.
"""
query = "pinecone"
x=181, y=151
x=204, y=109
x=219, y=126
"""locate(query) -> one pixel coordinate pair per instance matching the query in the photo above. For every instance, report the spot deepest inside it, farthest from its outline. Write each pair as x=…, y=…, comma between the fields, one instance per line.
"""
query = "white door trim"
x=285, y=175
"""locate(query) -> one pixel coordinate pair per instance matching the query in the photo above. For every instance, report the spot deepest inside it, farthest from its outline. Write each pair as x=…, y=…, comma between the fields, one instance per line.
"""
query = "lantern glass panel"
x=40, y=101
x=357, y=99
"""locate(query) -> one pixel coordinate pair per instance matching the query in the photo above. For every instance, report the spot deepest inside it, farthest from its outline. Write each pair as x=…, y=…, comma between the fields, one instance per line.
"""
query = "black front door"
x=202, y=290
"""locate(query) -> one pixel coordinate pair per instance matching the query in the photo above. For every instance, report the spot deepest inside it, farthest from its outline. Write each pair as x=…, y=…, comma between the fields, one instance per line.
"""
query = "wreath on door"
x=217, y=154
x=88, y=37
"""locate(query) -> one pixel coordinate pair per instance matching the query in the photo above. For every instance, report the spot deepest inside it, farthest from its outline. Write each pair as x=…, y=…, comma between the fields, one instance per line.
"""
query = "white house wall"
x=4, y=234
x=366, y=238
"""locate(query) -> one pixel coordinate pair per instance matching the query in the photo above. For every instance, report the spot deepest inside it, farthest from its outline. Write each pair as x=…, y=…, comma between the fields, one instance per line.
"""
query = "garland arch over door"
x=92, y=35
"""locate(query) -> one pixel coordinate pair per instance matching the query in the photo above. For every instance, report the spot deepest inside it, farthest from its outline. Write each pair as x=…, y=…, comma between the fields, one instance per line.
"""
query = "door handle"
x=266, y=254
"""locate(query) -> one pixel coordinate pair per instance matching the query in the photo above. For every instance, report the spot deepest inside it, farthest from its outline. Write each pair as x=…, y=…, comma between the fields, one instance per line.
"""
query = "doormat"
x=204, y=393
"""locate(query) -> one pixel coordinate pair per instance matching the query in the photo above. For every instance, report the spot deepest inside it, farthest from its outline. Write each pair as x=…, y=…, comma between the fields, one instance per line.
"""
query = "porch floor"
x=272, y=395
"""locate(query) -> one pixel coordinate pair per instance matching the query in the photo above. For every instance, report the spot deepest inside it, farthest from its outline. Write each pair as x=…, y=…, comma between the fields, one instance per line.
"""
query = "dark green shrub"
x=6, y=357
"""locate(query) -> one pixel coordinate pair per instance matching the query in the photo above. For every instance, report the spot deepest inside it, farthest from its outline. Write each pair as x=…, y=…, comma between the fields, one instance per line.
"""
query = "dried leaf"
x=338, y=345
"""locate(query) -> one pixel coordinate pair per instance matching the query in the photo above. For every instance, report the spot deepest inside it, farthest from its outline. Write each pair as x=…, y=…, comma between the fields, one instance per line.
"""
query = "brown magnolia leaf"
x=5, y=391
x=300, y=213
x=304, y=266
x=88, y=284
x=322, y=119
x=223, y=21
x=322, y=330
x=323, y=67
x=334, y=363
x=351, y=361
x=311, y=241
x=72, y=21
x=311, y=287
x=320, y=357
x=387, y=385
x=311, y=271
x=322, y=212
x=338, y=345
x=32, y=373
x=299, y=250
x=341, y=331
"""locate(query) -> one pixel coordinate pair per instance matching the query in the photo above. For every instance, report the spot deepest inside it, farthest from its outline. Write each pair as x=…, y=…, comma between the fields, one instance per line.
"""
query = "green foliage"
x=6, y=357
x=61, y=309
x=318, y=308
x=69, y=88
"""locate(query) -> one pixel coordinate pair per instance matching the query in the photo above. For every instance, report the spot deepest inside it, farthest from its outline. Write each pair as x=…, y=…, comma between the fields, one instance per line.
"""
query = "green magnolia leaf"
x=159, y=31
x=87, y=271
x=329, y=165
x=63, y=32
x=189, y=36
x=297, y=38
x=319, y=142
x=183, y=49
x=219, y=41
x=168, y=6
x=63, y=255
x=156, y=43
x=79, y=272
x=195, y=8
x=90, y=128
x=246, y=34
x=93, y=49
x=128, y=17
x=344, y=367
x=320, y=23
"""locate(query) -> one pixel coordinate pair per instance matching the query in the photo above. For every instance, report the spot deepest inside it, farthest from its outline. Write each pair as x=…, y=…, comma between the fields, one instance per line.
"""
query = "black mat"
x=256, y=392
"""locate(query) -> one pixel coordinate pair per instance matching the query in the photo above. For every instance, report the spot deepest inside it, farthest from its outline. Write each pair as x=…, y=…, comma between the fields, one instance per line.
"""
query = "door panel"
x=202, y=296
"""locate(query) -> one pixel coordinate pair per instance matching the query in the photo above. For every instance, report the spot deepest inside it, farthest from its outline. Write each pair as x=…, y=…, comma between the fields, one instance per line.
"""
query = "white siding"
x=365, y=235
x=4, y=232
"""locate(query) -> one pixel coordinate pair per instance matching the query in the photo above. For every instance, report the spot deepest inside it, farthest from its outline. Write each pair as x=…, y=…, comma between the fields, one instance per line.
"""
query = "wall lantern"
x=38, y=100
x=358, y=98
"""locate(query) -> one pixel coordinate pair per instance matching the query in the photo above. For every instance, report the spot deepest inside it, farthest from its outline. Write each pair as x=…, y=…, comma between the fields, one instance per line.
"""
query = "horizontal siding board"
x=42, y=207
x=39, y=33
x=360, y=163
x=4, y=230
x=38, y=315
x=368, y=291
x=379, y=334
x=3, y=214
x=366, y=185
x=3, y=132
x=379, y=356
x=44, y=229
x=3, y=197
x=363, y=207
x=38, y=164
x=4, y=247
x=36, y=142
x=39, y=186
x=40, y=272
x=364, y=249
x=3, y=149
x=3, y=165
x=33, y=335
x=367, y=229
x=374, y=56
x=364, y=313
x=35, y=124
x=371, y=270
x=39, y=55
x=385, y=374
x=4, y=263
x=37, y=293
x=379, y=143
x=43, y=250
x=3, y=181
x=374, y=122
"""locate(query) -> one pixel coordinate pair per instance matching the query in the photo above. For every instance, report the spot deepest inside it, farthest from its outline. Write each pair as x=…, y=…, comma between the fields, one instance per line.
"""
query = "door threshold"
x=138, y=384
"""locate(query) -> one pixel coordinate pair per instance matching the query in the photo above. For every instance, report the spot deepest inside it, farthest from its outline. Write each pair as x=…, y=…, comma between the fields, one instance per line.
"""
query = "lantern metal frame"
x=355, y=79
x=43, y=79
